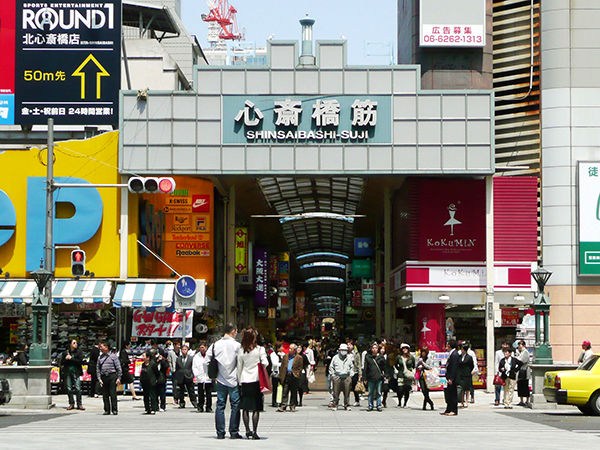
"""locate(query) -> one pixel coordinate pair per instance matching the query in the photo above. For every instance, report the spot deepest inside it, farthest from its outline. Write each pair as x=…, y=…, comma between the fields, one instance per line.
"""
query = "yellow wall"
x=82, y=159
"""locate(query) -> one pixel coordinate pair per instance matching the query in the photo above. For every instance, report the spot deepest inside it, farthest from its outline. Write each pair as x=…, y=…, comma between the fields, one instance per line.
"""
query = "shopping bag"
x=279, y=394
x=265, y=381
x=432, y=378
x=498, y=381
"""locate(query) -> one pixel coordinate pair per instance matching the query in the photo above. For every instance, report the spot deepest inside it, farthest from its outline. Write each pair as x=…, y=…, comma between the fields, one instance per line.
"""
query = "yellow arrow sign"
x=101, y=73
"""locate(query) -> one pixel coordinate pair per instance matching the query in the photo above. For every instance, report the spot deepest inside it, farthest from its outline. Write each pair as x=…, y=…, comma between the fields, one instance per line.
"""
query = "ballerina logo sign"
x=451, y=220
x=431, y=319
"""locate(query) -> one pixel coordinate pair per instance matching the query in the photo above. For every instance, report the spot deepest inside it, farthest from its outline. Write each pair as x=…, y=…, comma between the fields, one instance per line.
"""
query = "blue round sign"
x=185, y=286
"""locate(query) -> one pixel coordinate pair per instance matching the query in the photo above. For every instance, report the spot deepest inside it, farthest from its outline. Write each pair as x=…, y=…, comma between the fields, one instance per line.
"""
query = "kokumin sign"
x=65, y=61
x=307, y=119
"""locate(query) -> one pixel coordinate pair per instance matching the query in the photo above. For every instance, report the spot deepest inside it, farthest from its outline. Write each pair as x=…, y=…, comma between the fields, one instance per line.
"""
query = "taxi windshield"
x=589, y=363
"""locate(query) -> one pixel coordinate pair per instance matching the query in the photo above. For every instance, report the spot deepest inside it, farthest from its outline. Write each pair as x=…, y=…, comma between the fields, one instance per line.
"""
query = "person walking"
x=162, y=363
x=248, y=360
x=173, y=354
x=71, y=361
x=356, y=364
x=225, y=351
x=475, y=370
x=509, y=369
x=289, y=373
x=148, y=378
x=200, y=369
x=373, y=374
x=185, y=377
x=524, y=374
x=127, y=378
x=586, y=352
x=109, y=375
x=451, y=391
x=424, y=363
x=341, y=370
x=406, y=366
x=275, y=358
x=465, y=374
x=92, y=366
x=497, y=358
x=303, y=378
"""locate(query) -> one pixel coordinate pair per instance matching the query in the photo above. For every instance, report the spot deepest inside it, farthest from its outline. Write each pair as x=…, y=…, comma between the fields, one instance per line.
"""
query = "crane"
x=224, y=15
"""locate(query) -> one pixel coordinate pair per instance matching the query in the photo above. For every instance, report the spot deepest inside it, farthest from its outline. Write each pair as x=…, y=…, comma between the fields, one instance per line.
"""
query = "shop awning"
x=144, y=295
x=63, y=291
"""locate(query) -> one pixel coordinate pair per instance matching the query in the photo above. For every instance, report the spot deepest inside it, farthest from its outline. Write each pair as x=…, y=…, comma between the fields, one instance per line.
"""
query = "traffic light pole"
x=49, y=235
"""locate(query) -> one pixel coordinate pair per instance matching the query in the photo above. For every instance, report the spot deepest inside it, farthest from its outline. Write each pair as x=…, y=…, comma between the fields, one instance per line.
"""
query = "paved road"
x=481, y=426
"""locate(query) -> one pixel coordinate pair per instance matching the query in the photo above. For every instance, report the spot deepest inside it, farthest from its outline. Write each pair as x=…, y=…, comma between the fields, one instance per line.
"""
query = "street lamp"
x=541, y=306
x=39, y=352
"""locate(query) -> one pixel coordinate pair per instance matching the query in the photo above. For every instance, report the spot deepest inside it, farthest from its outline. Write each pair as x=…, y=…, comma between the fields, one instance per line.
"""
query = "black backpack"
x=213, y=365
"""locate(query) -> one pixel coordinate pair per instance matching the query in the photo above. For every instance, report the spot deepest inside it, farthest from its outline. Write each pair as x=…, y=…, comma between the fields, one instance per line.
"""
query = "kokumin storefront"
x=321, y=153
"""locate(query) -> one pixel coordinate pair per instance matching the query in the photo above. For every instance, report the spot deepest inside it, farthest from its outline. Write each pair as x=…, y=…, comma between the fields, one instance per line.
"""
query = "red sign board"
x=451, y=220
x=201, y=203
x=510, y=317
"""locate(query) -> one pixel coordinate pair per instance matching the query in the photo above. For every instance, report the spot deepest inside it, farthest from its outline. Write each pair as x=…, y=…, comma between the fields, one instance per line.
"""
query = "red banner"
x=431, y=325
x=451, y=215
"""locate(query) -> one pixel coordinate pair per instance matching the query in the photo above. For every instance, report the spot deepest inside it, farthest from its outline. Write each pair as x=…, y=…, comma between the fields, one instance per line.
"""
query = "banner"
x=431, y=320
x=261, y=276
x=154, y=324
x=241, y=251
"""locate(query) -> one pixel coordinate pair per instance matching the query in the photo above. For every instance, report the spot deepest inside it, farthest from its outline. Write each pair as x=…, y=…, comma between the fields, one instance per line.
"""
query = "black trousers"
x=161, y=394
x=205, y=395
x=93, y=381
x=189, y=386
x=353, y=387
x=275, y=383
x=425, y=391
x=109, y=392
x=150, y=399
x=451, y=394
x=290, y=389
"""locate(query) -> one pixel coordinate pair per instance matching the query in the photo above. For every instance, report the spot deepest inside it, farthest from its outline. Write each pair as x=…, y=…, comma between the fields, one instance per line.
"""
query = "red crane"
x=224, y=14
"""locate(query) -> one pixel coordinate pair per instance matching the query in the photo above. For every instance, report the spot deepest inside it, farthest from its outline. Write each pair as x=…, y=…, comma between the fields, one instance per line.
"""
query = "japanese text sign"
x=589, y=218
x=154, y=324
x=261, y=276
x=289, y=119
x=241, y=251
x=457, y=23
x=67, y=62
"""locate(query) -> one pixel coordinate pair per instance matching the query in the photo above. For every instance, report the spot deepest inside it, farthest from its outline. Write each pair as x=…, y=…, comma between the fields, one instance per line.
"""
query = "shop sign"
x=201, y=224
x=451, y=220
x=241, y=251
x=272, y=313
x=363, y=247
x=66, y=61
x=431, y=323
x=459, y=23
x=589, y=218
x=368, y=292
x=510, y=317
x=362, y=268
x=187, y=237
x=261, y=276
x=304, y=119
x=274, y=267
x=154, y=324
x=181, y=224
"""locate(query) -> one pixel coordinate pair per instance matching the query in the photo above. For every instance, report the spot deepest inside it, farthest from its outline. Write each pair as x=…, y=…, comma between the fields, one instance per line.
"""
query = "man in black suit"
x=451, y=391
x=185, y=376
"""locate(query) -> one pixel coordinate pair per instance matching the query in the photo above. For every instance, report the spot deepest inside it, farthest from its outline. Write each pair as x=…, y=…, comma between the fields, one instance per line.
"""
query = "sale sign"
x=154, y=324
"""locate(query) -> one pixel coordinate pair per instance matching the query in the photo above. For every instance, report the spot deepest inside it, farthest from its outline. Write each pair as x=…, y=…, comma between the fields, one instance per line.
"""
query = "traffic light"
x=78, y=263
x=151, y=185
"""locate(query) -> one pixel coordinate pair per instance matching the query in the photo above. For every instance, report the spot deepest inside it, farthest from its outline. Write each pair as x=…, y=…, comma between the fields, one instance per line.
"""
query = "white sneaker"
x=356, y=405
x=348, y=408
x=161, y=410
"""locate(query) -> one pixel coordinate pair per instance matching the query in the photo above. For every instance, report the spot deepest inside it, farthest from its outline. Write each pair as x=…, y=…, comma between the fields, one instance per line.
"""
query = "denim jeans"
x=234, y=400
x=374, y=390
x=73, y=388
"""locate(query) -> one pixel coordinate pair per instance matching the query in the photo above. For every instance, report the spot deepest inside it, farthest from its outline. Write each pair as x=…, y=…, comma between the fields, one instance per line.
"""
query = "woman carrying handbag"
x=405, y=364
x=424, y=363
x=249, y=357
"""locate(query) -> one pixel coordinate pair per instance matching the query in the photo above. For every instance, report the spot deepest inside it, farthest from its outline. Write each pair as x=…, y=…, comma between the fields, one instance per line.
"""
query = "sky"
x=358, y=21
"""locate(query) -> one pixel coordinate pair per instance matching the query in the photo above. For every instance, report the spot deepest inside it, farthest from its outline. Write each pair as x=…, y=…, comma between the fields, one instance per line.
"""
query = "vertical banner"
x=431, y=319
x=368, y=292
x=7, y=62
x=67, y=62
x=300, y=303
x=284, y=279
x=589, y=218
x=241, y=251
x=261, y=276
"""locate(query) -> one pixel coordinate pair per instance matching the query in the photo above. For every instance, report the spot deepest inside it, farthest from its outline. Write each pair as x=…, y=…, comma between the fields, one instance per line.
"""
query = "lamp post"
x=541, y=307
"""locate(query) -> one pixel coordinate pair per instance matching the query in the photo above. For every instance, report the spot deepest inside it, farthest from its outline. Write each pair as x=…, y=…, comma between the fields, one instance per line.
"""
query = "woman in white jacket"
x=249, y=357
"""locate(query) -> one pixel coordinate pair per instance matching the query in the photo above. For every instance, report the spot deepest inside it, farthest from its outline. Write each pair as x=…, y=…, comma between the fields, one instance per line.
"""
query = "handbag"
x=279, y=394
x=265, y=381
x=432, y=378
x=213, y=365
x=498, y=381
x=409, y=375
x=360, y=388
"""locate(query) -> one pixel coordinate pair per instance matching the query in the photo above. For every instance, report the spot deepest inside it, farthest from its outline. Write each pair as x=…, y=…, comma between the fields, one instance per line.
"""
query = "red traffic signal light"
x=151, y=185
x=78, y=263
